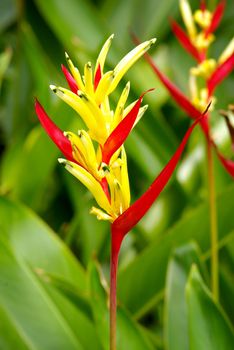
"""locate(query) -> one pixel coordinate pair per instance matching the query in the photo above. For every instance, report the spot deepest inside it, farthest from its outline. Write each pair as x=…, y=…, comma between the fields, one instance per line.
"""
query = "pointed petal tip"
x=62, y=161
x=53, y=87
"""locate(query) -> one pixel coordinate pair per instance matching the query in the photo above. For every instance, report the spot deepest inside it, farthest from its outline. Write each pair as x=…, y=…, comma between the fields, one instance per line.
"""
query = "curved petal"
x=227, y=163
x=185, y=41
x=54, y=132
x=125, y=222
x=216, y=18
x=121, y=132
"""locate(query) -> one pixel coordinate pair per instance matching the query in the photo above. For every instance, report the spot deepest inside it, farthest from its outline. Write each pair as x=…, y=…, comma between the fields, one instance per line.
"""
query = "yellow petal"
x=140, y=114
x=103, y=87
x=103, y=53
x=84, y=151
x=88, y=181
x=128, y=60
x=227, y=52
x=120, y=106
x=77, y=104
x=88, y=78
x=95, y=110
x=188, y=18
x=75, y=72
x=101, y=215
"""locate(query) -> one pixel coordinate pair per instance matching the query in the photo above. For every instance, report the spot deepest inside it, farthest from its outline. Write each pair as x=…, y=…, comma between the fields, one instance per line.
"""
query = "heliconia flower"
x=102, y=168
x=211, y=71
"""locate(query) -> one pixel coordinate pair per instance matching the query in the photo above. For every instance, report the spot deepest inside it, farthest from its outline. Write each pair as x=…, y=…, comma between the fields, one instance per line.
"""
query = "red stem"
x=115, y=247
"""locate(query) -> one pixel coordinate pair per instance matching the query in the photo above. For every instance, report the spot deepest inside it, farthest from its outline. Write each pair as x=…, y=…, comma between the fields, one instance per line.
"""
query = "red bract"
x=121, y=132
x=71, y=81
x=227, y=163
x=125, y=222
x=185, y=41
x=216, y=18
x=220, y=74
x=178, y=96
x=54, y=132
x=97, y=77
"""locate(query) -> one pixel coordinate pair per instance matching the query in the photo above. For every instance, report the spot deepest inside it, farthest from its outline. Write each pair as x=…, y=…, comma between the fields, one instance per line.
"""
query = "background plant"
x=44, y=290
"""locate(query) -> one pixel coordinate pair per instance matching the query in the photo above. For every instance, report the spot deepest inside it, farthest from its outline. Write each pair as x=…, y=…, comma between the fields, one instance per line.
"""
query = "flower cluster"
x=96, y=156
x=208, y=72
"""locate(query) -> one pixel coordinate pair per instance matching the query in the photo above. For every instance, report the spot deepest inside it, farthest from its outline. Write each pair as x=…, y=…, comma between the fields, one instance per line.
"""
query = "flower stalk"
x=213, y=224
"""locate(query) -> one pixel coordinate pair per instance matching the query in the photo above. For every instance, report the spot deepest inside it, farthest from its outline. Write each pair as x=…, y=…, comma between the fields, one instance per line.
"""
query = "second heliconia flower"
x=96, y=156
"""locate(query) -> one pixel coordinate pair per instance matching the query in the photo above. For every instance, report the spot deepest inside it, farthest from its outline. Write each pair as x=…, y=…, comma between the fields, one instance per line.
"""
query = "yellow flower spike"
x=77, y=104
x=128, y=60
x=103, y=53
x=103, y=87
x=88, y=78
x=188, y=18
x=120, y=106
x=101, y=215
x=227, y=52
x=88, y=181
x=203, y=18
x=75, y=72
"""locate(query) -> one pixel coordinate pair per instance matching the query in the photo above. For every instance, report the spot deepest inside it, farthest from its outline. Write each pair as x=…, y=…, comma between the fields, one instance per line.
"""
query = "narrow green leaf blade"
x=209, y=328
x=176, y=323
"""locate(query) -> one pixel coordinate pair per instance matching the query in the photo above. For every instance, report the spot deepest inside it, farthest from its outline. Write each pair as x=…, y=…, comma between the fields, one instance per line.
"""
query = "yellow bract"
x=91, y=102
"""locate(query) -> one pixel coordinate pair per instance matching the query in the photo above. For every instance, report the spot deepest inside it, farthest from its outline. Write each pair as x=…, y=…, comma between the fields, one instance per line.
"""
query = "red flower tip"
x=121, y=132
x=216, y=18
x=203, y=5
x=53, y=131
x=70, y=80
x=220, y=73
x=185, y=40
x=125, y=222
x=97, y=77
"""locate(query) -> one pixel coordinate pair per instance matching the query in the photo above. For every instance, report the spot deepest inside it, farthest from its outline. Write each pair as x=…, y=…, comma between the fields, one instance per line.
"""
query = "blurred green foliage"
x=51, y=294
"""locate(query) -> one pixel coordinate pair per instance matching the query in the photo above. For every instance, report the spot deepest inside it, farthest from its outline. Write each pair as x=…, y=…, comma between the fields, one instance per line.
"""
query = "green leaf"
x=129, y=334
x=75, y=22
x=8, y=13
x=209, y=328
x=140, y=294
x=37, y=244
x=32, y=313
x=5, y=58
x=175, y=316
x=40, y=310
